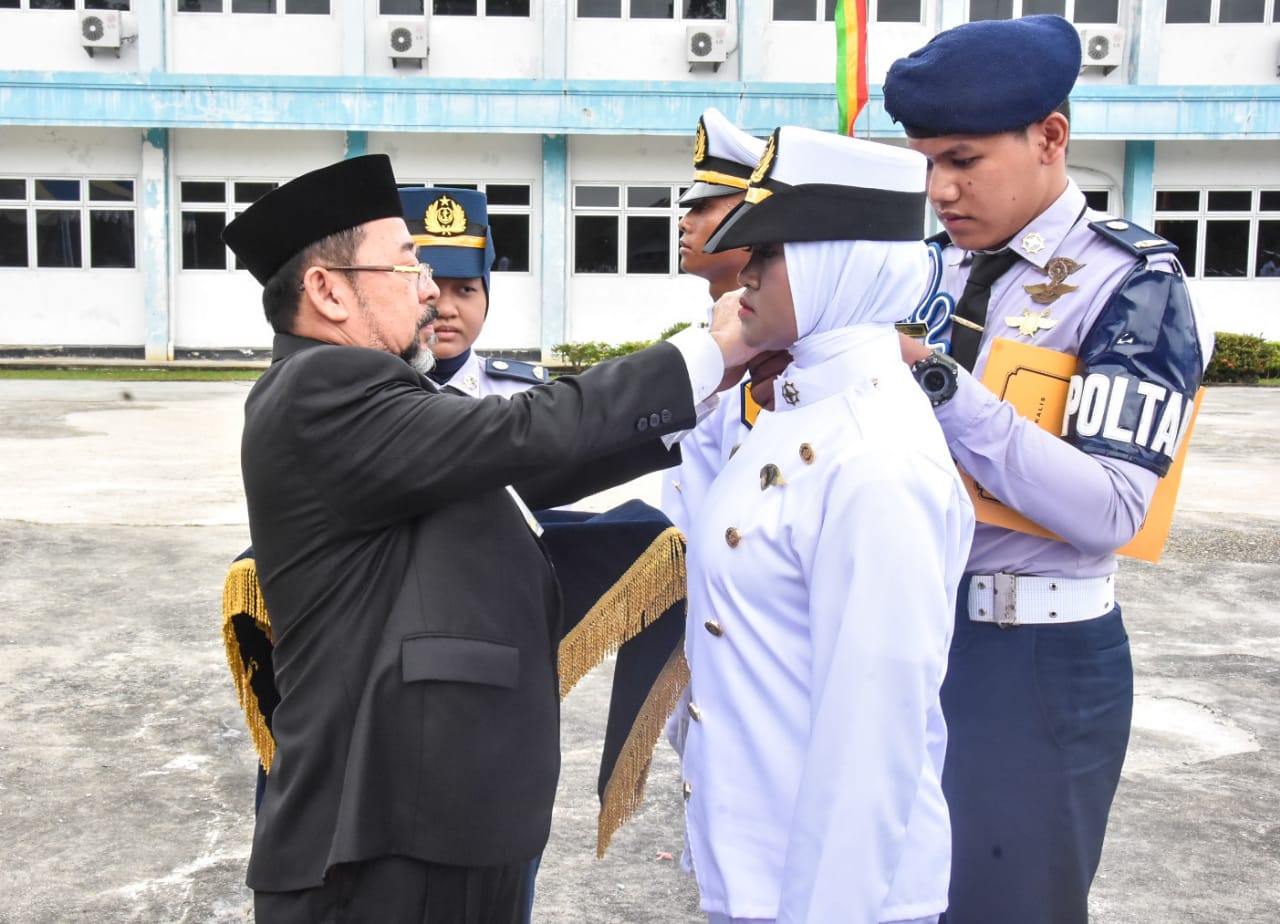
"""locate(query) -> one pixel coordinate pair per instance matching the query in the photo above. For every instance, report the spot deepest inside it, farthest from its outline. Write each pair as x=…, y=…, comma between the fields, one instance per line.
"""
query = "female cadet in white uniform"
x=451, y=229
x=824, y=562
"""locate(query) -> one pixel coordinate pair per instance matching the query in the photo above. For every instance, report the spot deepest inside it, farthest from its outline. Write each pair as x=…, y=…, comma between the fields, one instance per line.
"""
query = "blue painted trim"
x=155, y=197
x=357, y=144
x=568, y=106
x=554, y=224
x=1139, y=181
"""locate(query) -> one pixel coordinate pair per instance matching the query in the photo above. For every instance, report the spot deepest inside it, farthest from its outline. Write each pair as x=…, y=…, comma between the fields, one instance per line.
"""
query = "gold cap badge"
x=445, y=217
x=700, y=144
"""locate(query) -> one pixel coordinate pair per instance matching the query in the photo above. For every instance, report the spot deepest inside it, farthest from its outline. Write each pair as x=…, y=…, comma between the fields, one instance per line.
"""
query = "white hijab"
x=846, y=292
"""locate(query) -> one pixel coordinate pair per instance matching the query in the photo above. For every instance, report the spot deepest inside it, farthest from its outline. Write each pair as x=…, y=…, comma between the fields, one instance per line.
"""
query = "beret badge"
x=445, y=217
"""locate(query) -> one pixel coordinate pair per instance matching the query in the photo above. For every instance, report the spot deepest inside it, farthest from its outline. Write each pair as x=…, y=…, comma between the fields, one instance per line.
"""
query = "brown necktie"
x=972, y=307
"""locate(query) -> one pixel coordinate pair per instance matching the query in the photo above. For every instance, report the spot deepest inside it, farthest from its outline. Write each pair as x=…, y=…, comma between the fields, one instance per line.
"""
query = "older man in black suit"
x=417, y=734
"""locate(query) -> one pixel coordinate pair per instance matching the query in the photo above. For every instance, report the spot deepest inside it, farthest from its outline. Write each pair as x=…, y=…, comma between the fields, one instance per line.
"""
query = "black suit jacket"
x=415, y=613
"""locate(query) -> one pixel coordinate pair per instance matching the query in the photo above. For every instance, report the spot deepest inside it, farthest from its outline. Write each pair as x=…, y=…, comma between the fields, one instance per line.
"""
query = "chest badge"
x=791, y=394
x=1033, y=242
x=771, y=476
x=470, y=382
x=1057, y=269
x=1029, y=324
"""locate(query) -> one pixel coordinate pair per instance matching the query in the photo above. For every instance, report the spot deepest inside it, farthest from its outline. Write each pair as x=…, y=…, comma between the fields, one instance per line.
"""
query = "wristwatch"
x=936, y=374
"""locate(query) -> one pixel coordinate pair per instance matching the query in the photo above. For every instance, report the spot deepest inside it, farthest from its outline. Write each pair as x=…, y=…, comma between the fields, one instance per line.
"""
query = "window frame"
x=623, y=211
x=83, y=206
x=677, y=14
x=1202, y=215
x=482, y=12
x=1270, y=16
x=228, y=207
x=282, y=9
x=1069, y=13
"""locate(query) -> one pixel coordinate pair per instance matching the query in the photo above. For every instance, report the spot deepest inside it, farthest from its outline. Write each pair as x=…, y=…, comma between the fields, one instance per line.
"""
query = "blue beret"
x=451, y=229
x=985, y=77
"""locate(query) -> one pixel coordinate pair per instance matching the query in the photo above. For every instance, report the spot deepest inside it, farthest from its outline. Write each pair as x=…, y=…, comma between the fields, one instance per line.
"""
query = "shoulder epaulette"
x=533, y=373
x=1134, y=238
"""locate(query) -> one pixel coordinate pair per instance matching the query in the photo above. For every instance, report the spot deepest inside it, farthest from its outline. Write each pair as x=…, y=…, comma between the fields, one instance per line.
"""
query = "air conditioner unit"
x=706, y=44
x=1102, y=46
x=407, y=41
x=100, y=29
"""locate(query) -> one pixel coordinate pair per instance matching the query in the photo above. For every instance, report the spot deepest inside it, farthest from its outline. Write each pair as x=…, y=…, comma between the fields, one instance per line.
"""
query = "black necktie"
x=971, y=310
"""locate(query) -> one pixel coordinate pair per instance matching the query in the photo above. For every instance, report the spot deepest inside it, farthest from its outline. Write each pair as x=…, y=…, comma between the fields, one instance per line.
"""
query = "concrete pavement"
x=126, y=775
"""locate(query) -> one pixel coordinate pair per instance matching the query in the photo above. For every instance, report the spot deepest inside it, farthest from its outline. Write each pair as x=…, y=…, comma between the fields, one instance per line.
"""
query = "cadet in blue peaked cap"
x=1038, y=696
x=451, y=229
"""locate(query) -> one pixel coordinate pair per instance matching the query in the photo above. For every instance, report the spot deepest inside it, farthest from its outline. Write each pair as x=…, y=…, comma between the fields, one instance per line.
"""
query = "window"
x=454, y=7
x=267, y=7
x=816, y=10
x=53, y=222
x=1098, y=199
x=629, y=229
x=206, y=206
x=510, y=215
x=1084, y=11
x=1219, y=11
x=651, y=9
x=1222, y=233
x=63, y=4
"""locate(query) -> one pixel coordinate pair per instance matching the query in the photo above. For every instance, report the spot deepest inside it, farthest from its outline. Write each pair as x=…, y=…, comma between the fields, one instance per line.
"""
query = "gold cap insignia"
x=445, y=217
x=700, y=144
x=1029, y=324
x=765, y=164
x=1033, y=242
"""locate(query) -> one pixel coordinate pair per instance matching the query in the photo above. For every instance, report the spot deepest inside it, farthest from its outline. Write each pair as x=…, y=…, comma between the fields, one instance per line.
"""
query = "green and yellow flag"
x=851, y=61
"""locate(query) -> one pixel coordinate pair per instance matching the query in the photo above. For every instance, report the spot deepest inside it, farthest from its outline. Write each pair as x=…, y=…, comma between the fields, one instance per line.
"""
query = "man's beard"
x=421, y=360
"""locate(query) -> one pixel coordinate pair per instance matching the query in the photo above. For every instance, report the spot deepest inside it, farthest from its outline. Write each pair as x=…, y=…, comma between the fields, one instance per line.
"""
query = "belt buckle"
x=1004, y=599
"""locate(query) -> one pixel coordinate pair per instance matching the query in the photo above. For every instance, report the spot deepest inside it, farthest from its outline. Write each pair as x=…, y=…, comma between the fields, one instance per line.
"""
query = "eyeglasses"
x=421, y=270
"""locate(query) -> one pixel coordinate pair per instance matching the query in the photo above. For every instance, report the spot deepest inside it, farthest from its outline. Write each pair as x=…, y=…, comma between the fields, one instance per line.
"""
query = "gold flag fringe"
x=624, y=791
x=241, y=595
x=654, y=583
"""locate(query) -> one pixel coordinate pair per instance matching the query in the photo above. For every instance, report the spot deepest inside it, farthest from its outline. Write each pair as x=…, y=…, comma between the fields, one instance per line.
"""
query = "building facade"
x=131, y=131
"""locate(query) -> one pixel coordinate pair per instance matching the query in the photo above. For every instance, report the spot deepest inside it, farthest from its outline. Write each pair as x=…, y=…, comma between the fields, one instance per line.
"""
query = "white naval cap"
x=819, y=186
x=723, y=158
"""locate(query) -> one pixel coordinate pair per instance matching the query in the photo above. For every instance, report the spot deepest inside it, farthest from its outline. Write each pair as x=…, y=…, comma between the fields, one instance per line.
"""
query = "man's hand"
x=912, y=350
x=726, y=330
x=764, y=368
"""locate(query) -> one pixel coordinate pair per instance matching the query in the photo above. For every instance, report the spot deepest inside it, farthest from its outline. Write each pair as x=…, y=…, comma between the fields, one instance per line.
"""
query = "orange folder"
x=1034, y=380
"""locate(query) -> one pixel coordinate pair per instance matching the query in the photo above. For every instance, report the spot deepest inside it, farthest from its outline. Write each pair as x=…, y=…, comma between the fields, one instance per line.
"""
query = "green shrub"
x=675, y=329
x=1242, y=359
x=579, y=356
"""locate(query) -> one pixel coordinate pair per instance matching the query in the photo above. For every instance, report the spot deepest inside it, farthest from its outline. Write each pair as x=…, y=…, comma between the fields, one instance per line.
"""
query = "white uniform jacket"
x=823, y=569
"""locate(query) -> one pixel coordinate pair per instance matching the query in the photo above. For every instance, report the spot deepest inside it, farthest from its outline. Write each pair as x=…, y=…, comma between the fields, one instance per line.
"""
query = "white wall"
x=226, y=43
x=83, y=307
x=462, y=46
x=49, y=40
x=1219, y=54
x=639, y=49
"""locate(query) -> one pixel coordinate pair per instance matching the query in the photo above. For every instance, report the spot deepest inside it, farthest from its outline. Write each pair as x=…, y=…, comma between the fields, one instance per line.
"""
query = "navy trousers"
x=1038, y=722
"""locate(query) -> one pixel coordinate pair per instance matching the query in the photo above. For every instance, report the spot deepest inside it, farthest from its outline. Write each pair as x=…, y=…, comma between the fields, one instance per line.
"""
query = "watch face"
x=935, y=380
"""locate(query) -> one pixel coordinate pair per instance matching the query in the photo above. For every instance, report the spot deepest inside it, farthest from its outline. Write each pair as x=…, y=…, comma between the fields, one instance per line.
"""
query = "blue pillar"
x=555, y=233
x=154, y=260
x=357, y=145
x=1139, y=181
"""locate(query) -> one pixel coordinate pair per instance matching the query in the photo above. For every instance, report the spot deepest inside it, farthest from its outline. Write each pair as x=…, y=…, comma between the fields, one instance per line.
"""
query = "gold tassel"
x=624, y=791
x=654, y=583
x=241, y=595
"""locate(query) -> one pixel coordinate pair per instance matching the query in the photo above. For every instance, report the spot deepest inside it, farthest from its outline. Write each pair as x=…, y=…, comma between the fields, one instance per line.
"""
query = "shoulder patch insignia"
x=1133, y=238
x=532, y=373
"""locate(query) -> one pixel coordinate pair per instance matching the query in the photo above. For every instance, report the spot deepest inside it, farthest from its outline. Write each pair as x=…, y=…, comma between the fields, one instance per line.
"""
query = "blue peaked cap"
x=451, y=228
x=984, y=77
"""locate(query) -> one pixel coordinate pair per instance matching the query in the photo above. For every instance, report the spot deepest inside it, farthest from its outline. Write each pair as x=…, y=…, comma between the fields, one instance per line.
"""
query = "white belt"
x=1015, y=600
